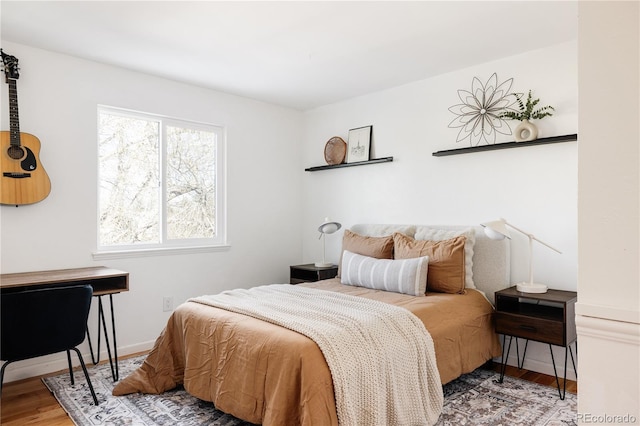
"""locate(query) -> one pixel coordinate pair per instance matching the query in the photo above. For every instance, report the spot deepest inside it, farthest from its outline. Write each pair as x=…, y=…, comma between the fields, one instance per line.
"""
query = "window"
x=160, y=182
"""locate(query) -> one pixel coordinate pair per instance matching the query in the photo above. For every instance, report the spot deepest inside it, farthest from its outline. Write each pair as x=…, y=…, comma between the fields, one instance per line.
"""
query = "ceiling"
x=298, y=54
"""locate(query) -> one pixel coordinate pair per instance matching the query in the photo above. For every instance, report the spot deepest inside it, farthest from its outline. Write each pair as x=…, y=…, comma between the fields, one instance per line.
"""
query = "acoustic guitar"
x=24, y=180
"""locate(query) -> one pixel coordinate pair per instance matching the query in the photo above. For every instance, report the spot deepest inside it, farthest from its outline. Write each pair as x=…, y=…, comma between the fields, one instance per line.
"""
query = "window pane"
x=191, y=160
x=129, y=201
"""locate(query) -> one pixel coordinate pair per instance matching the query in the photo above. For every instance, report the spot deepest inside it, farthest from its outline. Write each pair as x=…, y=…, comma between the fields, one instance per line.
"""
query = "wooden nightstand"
x=545, y=317
x=310, y=272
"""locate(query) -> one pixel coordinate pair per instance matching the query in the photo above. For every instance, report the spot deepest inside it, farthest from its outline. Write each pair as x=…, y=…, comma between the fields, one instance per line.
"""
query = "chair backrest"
x=42, y=322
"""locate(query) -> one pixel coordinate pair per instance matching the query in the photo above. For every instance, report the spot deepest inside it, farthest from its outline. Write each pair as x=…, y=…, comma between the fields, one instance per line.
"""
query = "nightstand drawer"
x=539, y=329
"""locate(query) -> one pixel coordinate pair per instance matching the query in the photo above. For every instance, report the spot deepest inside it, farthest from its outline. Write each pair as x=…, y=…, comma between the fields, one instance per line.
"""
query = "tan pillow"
x=378, y=247
x=439, y=234
x=446, y=272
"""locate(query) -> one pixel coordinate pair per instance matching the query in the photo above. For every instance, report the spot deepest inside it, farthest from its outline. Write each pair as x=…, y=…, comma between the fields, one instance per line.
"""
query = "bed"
x=267, y=374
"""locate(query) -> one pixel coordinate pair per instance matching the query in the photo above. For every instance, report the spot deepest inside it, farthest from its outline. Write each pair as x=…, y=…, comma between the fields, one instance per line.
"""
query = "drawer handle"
x=528, y=327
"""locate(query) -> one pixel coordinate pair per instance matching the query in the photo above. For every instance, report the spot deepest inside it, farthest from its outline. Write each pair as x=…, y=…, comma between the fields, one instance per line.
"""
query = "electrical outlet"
x=167, y=304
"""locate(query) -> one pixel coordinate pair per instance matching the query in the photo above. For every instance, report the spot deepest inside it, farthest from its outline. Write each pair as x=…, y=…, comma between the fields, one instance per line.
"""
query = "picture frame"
x=359, y=144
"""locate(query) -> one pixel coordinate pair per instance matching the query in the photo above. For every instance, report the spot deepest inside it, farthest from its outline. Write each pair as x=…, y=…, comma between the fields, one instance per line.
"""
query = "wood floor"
x=29, y=402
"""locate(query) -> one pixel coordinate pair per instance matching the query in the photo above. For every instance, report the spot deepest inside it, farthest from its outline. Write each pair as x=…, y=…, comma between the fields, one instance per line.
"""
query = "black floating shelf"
x=358, y=163
x=541, y=141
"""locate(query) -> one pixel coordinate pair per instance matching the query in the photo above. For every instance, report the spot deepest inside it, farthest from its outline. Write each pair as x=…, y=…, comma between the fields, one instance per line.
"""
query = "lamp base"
x=323, y=265
x=531, y=288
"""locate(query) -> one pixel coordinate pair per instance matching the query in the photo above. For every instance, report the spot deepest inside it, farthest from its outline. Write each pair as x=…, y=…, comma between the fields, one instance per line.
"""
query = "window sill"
x=149, y=252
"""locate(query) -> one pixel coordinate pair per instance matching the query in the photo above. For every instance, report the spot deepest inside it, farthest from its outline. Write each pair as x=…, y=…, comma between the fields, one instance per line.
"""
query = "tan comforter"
x=267, y=374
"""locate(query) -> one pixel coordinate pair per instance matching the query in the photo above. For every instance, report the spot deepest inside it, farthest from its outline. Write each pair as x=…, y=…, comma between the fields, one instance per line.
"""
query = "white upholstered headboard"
x=491, y=258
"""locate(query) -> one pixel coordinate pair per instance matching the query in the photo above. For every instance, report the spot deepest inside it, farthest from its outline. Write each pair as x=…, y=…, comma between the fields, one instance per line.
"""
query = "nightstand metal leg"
x=564, y=390
x=524, y=353
x=505, y=357
x=575, y=370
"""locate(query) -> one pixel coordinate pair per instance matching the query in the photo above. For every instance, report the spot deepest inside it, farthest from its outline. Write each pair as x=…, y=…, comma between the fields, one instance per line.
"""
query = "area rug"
x=473, y=399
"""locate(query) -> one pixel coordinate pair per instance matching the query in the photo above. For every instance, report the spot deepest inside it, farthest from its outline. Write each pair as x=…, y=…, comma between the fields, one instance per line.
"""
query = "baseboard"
x=34, y=367
x=609, y=368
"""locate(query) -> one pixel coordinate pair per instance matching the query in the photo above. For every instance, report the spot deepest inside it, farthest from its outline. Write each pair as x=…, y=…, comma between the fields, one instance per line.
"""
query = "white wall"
x=608, y=309
x=58, y=96
x=535, y=187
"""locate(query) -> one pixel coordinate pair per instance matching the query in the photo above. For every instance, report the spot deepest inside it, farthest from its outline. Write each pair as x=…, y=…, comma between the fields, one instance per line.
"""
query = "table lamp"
x=327, y=227
x=497, y=230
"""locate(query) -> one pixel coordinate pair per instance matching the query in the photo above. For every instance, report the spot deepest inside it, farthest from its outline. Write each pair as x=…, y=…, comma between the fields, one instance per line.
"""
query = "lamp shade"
x=328, y=226
x=496, y=229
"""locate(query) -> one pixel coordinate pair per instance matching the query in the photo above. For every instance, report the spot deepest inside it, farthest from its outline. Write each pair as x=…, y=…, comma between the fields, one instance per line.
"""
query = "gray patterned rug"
x=473, y=399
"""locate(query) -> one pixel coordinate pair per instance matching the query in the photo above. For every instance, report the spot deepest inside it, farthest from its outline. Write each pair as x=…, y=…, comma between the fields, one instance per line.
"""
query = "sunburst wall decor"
x=478, y=116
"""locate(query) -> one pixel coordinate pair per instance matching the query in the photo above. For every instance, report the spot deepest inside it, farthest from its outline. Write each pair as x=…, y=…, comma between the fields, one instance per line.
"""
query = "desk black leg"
x=113, y=361
x=116, y=376
x=106, y=336
x=93, y=360
x=70, y=367
x=96, y=359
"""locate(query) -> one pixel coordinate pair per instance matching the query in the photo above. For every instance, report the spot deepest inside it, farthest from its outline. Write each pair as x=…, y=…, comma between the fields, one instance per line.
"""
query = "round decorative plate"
x=335, y=151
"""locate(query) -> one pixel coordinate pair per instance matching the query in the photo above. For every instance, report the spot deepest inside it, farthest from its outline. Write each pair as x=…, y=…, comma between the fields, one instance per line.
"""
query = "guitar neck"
x=14, y=121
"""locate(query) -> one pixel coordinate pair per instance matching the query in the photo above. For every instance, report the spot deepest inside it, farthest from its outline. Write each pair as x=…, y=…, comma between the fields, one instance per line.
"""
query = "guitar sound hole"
x=15, y=152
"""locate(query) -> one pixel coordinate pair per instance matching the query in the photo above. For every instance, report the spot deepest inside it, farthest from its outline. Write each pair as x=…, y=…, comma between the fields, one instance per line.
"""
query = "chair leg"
x=86, y=375
x=2, y=375
x=70, y=367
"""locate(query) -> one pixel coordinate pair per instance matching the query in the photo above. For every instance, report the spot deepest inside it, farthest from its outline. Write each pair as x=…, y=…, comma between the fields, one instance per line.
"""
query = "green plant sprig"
x=527, y=110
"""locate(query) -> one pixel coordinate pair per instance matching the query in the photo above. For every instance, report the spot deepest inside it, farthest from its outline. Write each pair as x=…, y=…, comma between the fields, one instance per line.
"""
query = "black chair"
x=42, y=322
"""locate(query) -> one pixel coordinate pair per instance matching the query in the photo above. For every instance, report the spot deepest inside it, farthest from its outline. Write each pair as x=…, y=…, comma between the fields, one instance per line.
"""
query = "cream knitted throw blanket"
x=381, y=357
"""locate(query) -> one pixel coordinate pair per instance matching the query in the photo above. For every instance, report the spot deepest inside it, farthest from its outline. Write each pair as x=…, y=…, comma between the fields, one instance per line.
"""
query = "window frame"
x=166, y=246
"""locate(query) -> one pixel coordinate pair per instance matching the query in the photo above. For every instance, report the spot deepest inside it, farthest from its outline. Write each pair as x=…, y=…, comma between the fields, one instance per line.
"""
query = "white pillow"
x=383, y=230
x=436, y=234
x=408, y=276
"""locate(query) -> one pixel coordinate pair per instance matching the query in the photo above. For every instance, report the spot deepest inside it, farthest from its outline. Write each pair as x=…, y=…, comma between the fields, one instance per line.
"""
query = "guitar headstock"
x=10, y=65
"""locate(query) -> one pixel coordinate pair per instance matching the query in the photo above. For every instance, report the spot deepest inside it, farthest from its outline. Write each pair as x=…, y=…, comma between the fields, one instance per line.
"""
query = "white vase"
x=526, y=131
